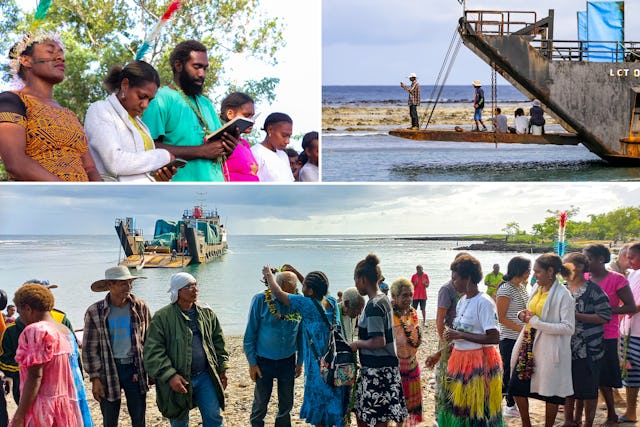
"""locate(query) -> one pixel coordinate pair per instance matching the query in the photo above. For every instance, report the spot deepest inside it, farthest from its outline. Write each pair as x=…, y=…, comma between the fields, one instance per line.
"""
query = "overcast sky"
x=377, y=42
x=299, y=91
x=307, y=209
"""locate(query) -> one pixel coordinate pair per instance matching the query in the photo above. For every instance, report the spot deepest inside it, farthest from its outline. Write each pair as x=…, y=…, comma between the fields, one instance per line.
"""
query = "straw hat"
x=113, y=273
x=536, y=103
x=477, y=83
x=413, y=75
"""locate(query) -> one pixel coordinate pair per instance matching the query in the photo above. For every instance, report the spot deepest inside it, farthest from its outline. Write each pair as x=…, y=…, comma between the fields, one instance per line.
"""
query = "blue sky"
x=306, y=209
x=377, y=42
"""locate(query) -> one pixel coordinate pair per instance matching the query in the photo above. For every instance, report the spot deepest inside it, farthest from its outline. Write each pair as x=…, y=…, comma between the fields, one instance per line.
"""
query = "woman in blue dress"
x=323, y=405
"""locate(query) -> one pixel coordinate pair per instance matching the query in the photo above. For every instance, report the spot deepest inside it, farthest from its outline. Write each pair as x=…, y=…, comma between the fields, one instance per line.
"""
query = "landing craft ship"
x=198, y=237
x=591, y=87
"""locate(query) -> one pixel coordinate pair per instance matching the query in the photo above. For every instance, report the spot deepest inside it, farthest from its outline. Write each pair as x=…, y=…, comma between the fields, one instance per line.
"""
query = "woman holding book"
x=240, y=165
x=118, y=139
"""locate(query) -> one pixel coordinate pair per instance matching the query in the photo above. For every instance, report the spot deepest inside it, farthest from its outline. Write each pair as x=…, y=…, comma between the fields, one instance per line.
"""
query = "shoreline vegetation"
x=367, y=118
x=239, y=394
x=498, y=243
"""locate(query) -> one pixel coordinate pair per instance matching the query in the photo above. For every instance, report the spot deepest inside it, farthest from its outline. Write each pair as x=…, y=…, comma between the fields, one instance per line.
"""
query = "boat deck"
x=156, y=260
x=486, y=137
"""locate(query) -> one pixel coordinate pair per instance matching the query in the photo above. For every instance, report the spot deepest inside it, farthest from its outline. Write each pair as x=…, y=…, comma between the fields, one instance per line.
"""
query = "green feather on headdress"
x=41, y=13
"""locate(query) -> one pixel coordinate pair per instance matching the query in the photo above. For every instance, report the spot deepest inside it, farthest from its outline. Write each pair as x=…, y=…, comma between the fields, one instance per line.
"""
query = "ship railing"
x=499, y=22
x=581, y=50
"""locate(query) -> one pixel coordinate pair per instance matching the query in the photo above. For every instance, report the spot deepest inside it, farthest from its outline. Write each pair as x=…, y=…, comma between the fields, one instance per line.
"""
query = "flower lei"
x=526, y=363
x=27, y=40
x=407, y=332
x=292, y=317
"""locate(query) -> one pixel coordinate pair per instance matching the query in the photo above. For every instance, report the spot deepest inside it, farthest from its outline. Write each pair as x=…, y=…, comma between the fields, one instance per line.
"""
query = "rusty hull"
x=587, y=98
x=486, y=137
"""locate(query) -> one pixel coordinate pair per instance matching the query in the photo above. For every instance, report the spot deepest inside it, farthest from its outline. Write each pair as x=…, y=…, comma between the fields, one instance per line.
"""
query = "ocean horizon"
x=228, y=283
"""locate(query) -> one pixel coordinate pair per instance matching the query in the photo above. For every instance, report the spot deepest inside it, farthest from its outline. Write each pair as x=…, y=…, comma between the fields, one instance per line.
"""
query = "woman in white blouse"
x=119, y=141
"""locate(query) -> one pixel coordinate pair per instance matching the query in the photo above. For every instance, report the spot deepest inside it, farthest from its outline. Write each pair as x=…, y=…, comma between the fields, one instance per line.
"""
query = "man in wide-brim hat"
x=478, y=105
x=115, y=329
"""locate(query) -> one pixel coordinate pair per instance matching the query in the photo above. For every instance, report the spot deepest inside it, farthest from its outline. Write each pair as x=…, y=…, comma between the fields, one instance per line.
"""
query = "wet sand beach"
x=239, y=395
x=359, y=118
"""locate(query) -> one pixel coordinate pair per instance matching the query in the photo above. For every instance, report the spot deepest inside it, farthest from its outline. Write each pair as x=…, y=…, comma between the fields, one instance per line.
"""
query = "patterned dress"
x=56, y=404
x=55, y=137
x=409, y=365
x=322, y=404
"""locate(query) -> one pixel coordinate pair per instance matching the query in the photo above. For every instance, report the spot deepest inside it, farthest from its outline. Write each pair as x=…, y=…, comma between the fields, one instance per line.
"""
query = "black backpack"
x=337, y=362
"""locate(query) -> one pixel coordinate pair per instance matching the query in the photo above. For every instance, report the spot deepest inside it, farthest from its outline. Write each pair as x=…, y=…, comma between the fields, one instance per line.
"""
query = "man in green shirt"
x=493, y=280
x=179, y=117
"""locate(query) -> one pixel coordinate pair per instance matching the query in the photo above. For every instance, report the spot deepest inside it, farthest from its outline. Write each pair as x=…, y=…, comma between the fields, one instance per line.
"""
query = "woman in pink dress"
x=48, y=393
x=240, y=165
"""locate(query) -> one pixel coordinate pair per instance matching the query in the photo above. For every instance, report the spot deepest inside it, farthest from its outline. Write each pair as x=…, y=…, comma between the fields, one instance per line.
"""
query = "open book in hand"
x=237, y=122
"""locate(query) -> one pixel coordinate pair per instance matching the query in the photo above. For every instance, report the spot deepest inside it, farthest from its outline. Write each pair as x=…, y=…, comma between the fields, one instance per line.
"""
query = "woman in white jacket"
x=541, y=358
x=119, y=141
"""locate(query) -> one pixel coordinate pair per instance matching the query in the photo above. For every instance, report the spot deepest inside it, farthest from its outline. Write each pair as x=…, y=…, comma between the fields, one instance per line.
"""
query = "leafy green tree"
x=548, y=229
x=511, y=229
x=101, y=33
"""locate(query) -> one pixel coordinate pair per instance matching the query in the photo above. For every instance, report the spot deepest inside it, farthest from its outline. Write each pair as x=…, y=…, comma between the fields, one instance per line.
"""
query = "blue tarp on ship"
x=605, y=28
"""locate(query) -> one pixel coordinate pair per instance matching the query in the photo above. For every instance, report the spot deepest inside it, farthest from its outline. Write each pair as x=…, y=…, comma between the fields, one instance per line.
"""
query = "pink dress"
x=241, y=165
x=56, y=404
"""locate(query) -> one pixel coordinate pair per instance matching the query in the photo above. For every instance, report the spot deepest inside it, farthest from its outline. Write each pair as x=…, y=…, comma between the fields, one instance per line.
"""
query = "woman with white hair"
x=351, y=308
x=406, y=326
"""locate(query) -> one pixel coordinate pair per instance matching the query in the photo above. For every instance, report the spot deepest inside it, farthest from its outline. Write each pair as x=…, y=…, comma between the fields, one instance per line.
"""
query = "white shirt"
x=117, y=146
x=476, y=315
x=272, y=166
x=309, y=173
x=522, y=124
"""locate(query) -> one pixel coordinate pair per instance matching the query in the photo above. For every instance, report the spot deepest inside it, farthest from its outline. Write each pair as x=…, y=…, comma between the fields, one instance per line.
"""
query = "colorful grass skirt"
x=412, y=389
x=474, y=389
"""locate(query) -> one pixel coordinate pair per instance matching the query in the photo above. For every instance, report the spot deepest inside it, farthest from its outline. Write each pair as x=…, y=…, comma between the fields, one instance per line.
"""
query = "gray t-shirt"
x=198, y=356
x=377, y=320
x=448, y=298
x=119, y=321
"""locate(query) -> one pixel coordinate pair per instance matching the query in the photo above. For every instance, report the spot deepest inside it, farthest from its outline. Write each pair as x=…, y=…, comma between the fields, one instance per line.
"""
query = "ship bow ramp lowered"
x=591, y=89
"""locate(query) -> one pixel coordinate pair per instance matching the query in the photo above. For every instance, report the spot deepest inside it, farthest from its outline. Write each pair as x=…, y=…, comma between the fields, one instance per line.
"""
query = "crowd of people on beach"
x=141, y=132
x=576, y=333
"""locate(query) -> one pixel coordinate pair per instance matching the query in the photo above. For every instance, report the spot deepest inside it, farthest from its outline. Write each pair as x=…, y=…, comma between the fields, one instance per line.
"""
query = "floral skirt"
x=379, y=395
x=474, y=389
x=412, y=389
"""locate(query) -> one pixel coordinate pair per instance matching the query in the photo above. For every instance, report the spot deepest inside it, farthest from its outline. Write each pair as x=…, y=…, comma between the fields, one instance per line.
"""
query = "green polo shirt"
x=493, y=281
x=170, y=116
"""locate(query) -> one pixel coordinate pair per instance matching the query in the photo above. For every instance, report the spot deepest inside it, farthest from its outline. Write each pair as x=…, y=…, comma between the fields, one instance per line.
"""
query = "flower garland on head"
x=407, y=332
x=268, y=298
x=526, y=365
x=34, y=35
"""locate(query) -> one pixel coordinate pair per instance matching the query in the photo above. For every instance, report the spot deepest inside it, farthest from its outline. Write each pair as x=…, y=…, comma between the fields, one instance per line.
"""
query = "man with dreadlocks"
x=39, y=139
x=322, y=403
x=179, y=117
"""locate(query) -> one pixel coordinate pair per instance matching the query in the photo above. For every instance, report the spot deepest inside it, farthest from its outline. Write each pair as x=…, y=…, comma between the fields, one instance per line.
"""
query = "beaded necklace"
x=408, y=333
x=195, y=107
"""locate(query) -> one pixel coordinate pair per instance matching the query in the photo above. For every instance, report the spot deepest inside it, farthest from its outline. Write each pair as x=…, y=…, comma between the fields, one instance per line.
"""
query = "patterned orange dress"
x=55, y=137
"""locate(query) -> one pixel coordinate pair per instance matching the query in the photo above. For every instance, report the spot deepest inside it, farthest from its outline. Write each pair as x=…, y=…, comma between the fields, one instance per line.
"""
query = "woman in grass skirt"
x=474, y=371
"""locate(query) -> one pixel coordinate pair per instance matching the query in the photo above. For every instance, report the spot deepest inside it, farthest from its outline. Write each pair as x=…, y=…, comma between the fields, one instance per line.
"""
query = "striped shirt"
x=518, y=297
x=588, y=338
